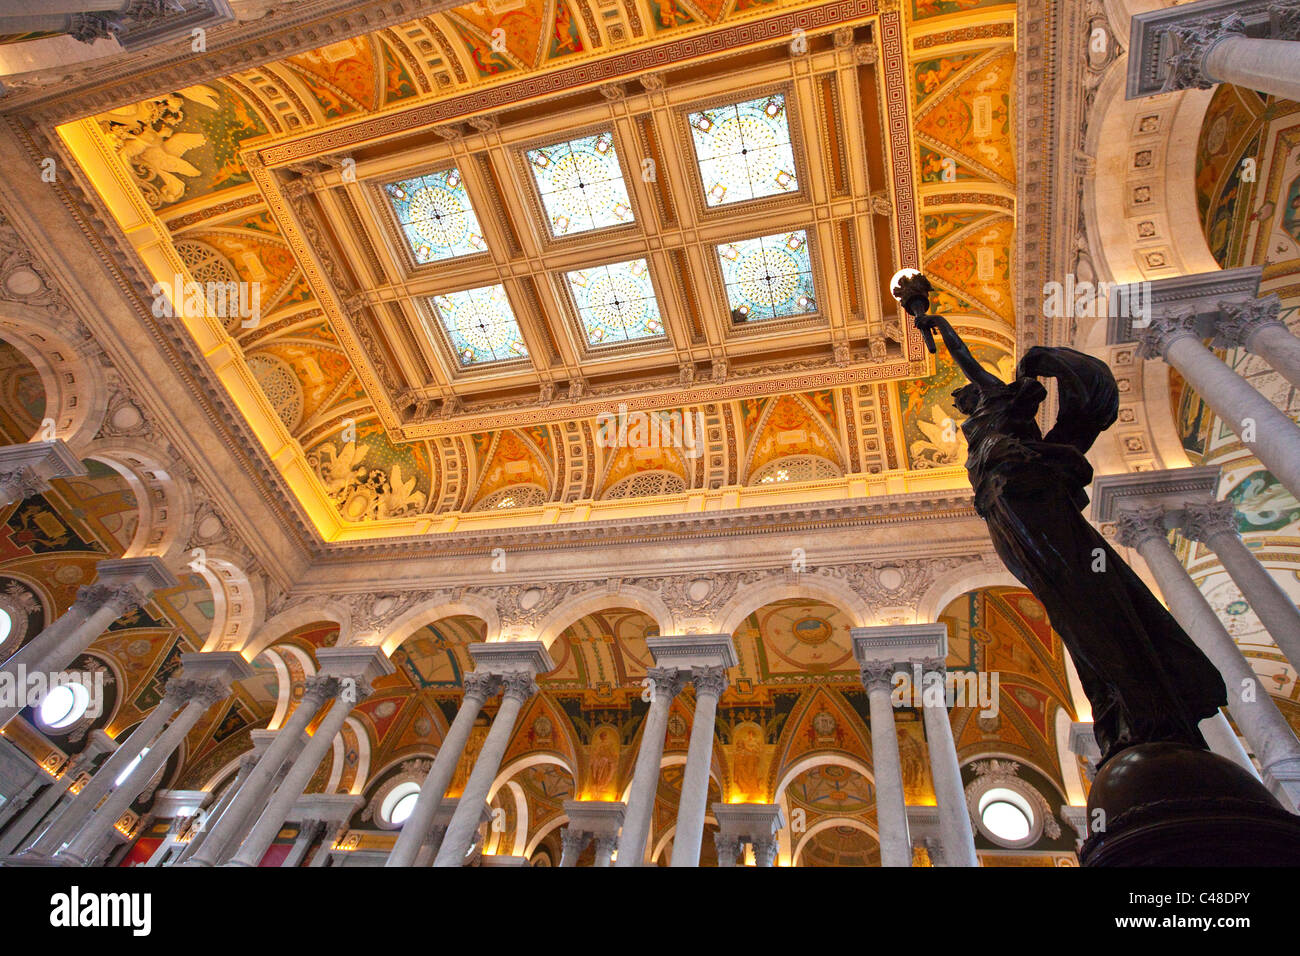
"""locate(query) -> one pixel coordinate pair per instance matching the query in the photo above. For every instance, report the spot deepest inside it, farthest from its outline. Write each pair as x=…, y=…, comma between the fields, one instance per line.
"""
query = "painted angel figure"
x=1145, y=678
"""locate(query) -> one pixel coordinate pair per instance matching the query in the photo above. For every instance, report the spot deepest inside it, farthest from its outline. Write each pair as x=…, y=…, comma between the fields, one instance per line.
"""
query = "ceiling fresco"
x=397, y=383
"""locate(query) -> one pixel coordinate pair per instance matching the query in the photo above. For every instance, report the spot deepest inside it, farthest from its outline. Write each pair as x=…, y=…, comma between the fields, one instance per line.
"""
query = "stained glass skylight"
x=744, y=150
x=480, y=325
x=616, y=302
x=769, y=277
x=581, y=184
x=435, y=216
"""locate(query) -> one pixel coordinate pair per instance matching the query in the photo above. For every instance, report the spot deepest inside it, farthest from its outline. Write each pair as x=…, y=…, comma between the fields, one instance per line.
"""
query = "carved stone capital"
x=124, y=597
x=1192, y=42
x=930, y=665
x=89, y=27
x=320, y=688
x=518, y=686
x=1202, y=520
x=878, y=675
x=206, y=692
x=765, y=852
x=1164, y=330
x=666, y=681
x=481, y=686
x=709, y=680
x=22, y=483
x=1135, y=526
x=1239, y=321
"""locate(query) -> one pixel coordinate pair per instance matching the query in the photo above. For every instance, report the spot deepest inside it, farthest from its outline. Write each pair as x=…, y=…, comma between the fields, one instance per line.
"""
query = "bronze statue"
x=1145, y=678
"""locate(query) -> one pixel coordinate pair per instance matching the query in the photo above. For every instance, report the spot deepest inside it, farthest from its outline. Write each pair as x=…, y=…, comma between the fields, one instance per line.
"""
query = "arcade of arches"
x=553, y=483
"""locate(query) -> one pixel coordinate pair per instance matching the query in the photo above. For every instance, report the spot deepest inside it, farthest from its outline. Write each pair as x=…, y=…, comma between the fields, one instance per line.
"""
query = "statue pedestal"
x=1168, y=804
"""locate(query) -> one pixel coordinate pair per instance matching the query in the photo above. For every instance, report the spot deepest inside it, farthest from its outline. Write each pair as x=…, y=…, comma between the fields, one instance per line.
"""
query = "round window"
x=399, y=803
x=1006, y=815
x=64, y=705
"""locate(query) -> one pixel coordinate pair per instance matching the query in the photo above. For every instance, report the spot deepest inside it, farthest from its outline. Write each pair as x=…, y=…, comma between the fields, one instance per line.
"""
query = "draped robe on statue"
x=1145, y=678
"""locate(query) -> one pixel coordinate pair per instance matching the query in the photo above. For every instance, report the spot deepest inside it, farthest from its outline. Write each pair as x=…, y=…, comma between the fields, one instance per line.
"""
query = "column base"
x=1168, y=804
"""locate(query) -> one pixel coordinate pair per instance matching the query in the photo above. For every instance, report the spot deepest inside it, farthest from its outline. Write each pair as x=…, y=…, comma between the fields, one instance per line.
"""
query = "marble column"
x=79, y=809
x=572, y=843
x=1217, y=50
x=199, y=696
x=1266, y=431
x=309, y=831
x=886, y=765
x=26, y=468
x=415, y=831
x=605, y=846
x=250, y=798
x=29, y=824
x=954, y=817
x=1223, y=740
x=728, y=848
x=665, y=684
x=1256, y=326
x=247, y=762
x=709, y=683
x=1269, y=735
x=121, y=584
x=518, y=687
x=1215, y=524
x=349, y=671
x=747, y=824
x=595, y=821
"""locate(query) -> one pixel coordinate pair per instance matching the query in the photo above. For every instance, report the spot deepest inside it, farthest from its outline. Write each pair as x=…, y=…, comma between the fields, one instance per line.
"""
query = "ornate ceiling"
x=303, y=178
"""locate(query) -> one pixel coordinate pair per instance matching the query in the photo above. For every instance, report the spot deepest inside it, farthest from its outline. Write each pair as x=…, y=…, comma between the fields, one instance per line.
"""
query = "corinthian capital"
x=930, y=665
x=1164, y=330
x=518, y=686
x=124, y=598
x=22, y=483
x=481, y=685
x=878, y=674
x=709, y=680
x=1202, y=520
x=666, y=681
x=320, y=688
x=205, y=691
x=1192, y=42
x=1239, y=321
x=1135, y=526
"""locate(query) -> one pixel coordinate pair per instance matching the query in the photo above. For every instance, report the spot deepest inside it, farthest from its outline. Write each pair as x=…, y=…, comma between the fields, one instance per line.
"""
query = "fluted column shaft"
x=709, y=683
x=1275, y=439
x=415, y=831
x=887, y=767
x=464, y=822
x=1215, y=524
x=252, y=794
x=1252, y=708
x=664, y=686
x=89, y=838
x=97, y=606
x=64, y=826
x=263, y=833
x=954, y=818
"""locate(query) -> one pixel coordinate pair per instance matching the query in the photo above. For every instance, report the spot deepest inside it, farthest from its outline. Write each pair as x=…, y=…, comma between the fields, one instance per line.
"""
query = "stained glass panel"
x=435, y=216
x=480, y=325
x=744, y=150
x=581, y=184
x=768, y=277
x=616, y=302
